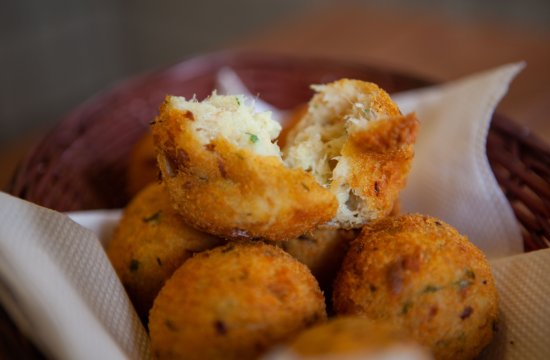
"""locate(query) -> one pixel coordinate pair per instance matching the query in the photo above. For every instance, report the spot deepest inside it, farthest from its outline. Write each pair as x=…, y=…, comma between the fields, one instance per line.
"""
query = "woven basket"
x=82, y=163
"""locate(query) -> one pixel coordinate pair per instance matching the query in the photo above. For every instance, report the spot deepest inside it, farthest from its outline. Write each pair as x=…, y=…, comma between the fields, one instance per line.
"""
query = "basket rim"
x=203, y=62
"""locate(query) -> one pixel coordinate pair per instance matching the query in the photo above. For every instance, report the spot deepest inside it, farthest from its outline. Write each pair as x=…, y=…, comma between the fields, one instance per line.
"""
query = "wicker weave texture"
x=520, y=162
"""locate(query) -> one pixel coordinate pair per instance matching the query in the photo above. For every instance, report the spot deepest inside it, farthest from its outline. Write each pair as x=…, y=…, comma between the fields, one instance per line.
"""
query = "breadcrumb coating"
x=234, y=302
x=421, y=274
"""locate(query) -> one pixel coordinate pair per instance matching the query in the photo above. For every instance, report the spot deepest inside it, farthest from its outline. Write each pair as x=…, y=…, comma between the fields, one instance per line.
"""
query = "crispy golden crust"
x=348, y=335
x=378, y=100
x=233, y=192
x=380, y=159
x=142, y=165
x=233, y=302
x=355, y=141
x=420, y=273
x=150, y=243
x=322, y=251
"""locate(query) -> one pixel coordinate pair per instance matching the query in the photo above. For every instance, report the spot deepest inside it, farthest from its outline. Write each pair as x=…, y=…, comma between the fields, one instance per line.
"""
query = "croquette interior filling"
x=317, y=147
x=318, y=142
x=233, y=118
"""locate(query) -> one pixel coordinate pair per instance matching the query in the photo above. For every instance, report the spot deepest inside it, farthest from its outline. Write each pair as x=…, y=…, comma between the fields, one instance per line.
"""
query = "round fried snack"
x=322, y=251
x=225, y=175
x=234, y=302
x=353, y=338
x=354, y=140
x=150, y=242
x=142, y=165
x=421, y=274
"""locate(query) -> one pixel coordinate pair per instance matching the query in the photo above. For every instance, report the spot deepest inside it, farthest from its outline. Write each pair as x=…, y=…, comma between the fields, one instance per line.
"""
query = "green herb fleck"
x=228, y=248
x=431, y=289
x=463, y=283
x=406, y=307
x=253, y=138
x=170, y=325
x=134, y=265
x=154, y=218
x=470, y=274
x=238, y=101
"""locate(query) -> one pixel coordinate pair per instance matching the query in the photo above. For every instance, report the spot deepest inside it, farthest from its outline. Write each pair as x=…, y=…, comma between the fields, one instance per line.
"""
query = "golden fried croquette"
x=322, y=251
x=142, y=165
x=345, y=162
x=352, y=338
x=234, y=302
x=226, y=176
x=150, y=242
x=421, y=274
x=354, y=140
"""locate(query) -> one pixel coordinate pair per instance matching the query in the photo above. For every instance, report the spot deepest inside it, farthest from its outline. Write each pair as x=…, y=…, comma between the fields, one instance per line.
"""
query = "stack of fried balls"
x=244, y=250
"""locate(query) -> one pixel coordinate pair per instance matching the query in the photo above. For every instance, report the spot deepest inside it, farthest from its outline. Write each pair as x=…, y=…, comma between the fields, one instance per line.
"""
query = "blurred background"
x=56, y=54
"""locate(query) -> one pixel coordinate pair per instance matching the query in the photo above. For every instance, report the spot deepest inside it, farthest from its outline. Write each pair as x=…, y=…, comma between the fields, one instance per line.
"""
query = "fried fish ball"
x=142, y=165
x=322, y=251
x=421, y=274
x=150, y=242
x=352, y=338
x=354, y=140
x=226, y=176
x=234, y=302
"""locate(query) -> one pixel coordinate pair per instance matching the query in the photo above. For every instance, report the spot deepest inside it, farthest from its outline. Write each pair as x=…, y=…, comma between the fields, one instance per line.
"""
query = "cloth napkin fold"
x=58, y=285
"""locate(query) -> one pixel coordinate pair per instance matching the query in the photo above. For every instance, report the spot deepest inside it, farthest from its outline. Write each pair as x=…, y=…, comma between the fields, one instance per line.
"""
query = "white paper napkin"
x=524, y=291
x=451, y=177
x=58, y=285
x=60, y=288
